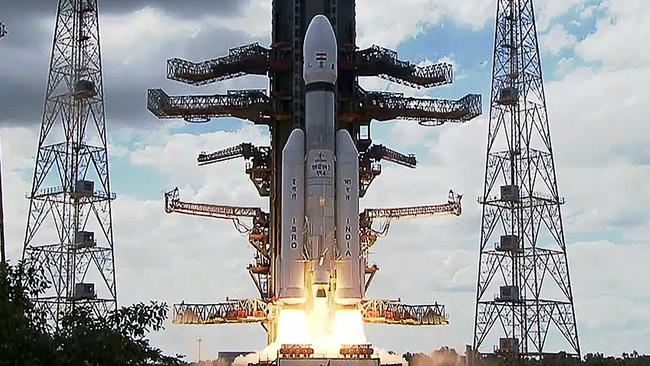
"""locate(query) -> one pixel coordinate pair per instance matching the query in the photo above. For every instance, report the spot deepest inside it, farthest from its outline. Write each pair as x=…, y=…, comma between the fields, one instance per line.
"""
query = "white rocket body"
x=320, y=198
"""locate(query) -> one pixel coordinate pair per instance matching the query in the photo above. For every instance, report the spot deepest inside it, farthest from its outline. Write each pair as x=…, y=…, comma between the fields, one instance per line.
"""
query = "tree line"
x=27, y=338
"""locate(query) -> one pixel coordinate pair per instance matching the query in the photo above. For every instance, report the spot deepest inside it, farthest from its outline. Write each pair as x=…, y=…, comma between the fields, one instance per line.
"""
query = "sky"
x=596, y=66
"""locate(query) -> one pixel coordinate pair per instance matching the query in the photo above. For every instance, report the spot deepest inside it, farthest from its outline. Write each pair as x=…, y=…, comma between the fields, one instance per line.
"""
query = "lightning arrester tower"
x=524, y=295
x=69, y=226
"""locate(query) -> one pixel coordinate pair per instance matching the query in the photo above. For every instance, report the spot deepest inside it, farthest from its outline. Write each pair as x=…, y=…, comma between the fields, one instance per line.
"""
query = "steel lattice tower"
x=524, y=290
x=69, y=226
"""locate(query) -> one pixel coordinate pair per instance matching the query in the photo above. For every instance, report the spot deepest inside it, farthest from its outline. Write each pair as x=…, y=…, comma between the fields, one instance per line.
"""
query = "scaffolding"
x=252, y=105
x=257, y=311
x=251, y=59
x=385, y=63
x=383, y=106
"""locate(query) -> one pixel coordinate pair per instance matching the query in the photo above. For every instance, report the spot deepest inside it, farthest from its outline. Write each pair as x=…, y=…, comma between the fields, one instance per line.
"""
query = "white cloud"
x=611, y=279
x=548, y=10
x=557, y=39
x=142, y=33
x=388, y=23
x=129, y=39
x=620, y=38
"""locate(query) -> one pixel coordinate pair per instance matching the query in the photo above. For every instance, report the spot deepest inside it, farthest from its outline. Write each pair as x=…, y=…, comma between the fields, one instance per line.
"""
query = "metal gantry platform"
x=256, y=311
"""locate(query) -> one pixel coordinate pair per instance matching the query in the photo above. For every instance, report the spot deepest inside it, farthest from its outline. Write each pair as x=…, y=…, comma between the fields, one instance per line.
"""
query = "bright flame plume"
x=323, y=329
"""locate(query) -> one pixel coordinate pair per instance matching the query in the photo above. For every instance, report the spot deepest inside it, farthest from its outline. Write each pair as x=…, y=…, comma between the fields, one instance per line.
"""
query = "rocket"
x=320, y=253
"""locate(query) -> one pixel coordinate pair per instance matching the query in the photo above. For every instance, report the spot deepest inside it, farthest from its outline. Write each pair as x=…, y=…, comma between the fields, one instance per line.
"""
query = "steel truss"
x=253, y=59
x=382, y=62
x=256, y=106
x=257, y=311
x=383, y=106
x=528, y=266
x=369, y=235
x=67, y=251
x=231, y=311
x=252, y=105
x=394, y=312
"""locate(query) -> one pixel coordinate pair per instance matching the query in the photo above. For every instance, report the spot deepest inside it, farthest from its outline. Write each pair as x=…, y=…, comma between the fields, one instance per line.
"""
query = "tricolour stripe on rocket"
x=321, y=56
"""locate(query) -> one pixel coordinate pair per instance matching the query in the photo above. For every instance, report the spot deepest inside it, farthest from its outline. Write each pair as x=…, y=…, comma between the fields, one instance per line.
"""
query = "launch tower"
x=524, y=290
x=283, y=110
x=69, y=225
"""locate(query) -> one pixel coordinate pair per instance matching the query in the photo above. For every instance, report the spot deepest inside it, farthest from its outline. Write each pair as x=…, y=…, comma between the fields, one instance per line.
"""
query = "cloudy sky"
x=597, y=69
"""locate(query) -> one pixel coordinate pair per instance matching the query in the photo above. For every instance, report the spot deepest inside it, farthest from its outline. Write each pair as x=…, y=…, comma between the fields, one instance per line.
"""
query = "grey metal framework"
x=257, y=311
x=250, y=59
x=394, y=312
x=69, y=225
x=252, y=105
x=382, y=106
x=253, y=59
x=370, y=157
x=256, y=106
x=216, y=211
x=381, y=152
x=231, y=311
x=245, y=150
x=524, y=289
x=384, y=63
x=452, y=207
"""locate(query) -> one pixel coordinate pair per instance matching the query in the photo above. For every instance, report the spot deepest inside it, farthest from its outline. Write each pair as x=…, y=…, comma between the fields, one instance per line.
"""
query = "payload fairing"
x=320, y=251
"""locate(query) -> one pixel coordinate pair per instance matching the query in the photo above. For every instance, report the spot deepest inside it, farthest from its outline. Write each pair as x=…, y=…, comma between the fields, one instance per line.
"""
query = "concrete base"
x=327, y=362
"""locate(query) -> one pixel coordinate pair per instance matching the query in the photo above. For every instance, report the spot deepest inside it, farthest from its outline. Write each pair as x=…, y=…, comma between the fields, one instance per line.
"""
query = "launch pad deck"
x=328, y=361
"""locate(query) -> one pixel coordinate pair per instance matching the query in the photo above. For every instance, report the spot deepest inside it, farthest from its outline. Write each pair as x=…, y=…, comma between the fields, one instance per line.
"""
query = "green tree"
x=25, y=337
x=82, y=339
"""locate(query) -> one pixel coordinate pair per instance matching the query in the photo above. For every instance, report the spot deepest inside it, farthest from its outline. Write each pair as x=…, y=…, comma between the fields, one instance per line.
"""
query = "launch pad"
x=322, y=361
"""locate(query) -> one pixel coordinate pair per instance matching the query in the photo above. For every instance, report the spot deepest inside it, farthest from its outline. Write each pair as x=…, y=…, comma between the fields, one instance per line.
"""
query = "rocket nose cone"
x=320, y=52
x=319, y=21
x=320, y=34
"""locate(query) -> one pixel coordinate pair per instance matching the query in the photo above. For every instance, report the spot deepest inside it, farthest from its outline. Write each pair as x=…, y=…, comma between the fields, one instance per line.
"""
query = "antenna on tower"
x=71, y=192
x=524, y=291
